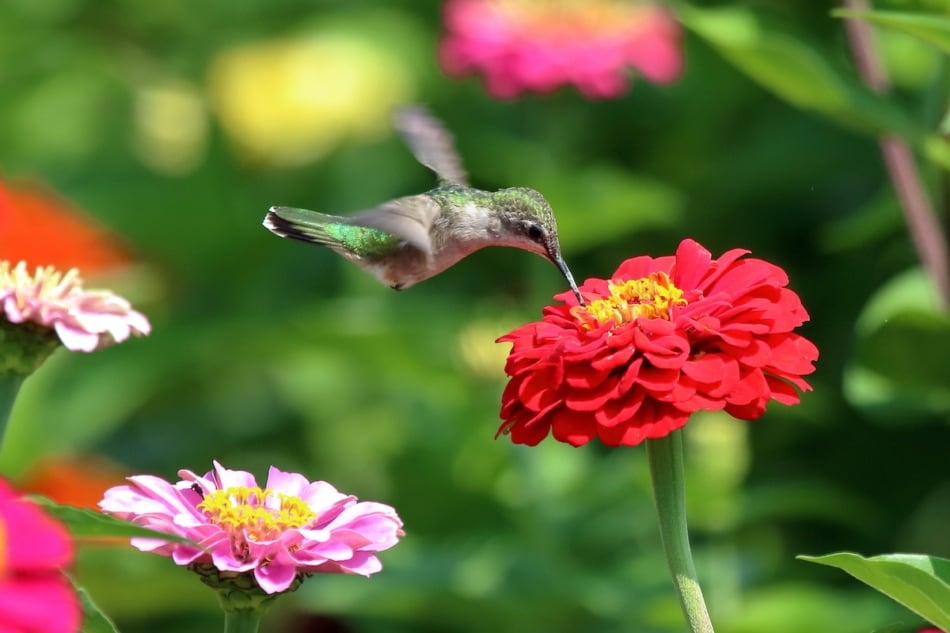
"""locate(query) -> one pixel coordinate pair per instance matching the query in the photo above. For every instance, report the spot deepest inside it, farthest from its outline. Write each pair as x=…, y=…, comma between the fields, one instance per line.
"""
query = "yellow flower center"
x=47, y=284
x=650, y=297
x=259, y=513
x=572, y=16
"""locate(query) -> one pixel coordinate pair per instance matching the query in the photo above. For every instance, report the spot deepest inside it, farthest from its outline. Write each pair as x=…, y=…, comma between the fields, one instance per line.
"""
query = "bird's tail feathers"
x=300, y=224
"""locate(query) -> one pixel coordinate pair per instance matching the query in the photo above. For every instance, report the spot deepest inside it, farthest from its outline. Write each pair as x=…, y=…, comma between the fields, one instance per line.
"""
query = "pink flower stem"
x=922, y=223
x=669, y=490
x=9, y=388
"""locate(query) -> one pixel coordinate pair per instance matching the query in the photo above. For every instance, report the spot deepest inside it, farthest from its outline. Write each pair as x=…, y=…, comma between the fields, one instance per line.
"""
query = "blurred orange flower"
x=76, y=481
x=43, y=229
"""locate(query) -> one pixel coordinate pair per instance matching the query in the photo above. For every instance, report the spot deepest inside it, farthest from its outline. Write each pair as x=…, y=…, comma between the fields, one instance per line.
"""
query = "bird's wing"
x=408, y=218
x=302, y=224
x=431, y=143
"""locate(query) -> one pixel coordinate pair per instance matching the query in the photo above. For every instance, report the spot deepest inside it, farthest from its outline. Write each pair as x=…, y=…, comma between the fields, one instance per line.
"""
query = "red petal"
x=626, y=435
x=620, y=410
x=782, y=391
x=521, y=434
x=629, y=379
x=576, y=350
x=792, y=354
x=622, y=337
x=684, y=391
x=573, y=428
x=751, y=411
x=613, y=359
x=738, y=278
x=657, y=380
x=707, y=368
x=750, y=388
x=635, y=268
x=791, y=312
x=586, y=376
x=692, y=262
x=538, y=389
x=591, y=399
x=661, y=344
x=756, y=354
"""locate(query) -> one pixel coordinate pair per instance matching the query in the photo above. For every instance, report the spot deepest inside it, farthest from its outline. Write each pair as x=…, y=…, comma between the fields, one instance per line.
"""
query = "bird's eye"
x=535, y=233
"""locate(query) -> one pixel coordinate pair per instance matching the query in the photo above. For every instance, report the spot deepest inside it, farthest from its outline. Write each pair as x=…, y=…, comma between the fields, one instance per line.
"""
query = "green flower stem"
x=242, y=621
x=9, y=387
x=243, y=601
x=666, y=470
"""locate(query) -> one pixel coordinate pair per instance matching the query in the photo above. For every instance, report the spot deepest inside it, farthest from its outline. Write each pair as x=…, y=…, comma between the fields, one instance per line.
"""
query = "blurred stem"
x=669, y=490
x=242, y=621
x=922, y=222
x=9, y=388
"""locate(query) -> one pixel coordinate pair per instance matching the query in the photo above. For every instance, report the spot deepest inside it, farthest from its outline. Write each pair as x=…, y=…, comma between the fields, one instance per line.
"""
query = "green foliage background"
x=268, y=352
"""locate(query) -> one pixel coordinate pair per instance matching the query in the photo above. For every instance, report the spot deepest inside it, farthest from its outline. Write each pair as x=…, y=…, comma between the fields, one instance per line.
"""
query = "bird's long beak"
x=562, y=266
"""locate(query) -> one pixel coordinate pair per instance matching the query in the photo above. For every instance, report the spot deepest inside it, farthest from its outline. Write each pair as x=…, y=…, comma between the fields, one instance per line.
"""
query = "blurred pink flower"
x=289, y=527
x=84, y=320
x=539, y=45
x=35, y=596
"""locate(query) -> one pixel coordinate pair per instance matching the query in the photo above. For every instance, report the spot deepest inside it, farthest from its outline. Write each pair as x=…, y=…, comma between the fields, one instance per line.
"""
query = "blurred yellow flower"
x=719, y=461
x=287, y=102
x=171, y=126
x=478, y=351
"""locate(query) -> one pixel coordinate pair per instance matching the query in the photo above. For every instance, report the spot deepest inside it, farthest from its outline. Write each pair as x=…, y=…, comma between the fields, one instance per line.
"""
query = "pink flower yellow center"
x=574, y=16
x=650, y=297
x=48, y=284
x=259, y=513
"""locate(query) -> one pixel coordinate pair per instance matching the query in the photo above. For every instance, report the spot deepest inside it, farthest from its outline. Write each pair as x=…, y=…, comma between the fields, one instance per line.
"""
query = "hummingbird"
x=409, y=239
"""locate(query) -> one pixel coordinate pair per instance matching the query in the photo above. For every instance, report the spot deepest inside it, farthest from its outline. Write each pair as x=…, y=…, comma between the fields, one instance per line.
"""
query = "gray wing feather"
x=430, y=143
x=408, y=218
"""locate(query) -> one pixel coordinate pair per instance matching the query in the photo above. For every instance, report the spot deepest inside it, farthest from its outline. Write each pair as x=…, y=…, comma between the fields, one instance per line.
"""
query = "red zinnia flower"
x=664, y=337
x=35, y=596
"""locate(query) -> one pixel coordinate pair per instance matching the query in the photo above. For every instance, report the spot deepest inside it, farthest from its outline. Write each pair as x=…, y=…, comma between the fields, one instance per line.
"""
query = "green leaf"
x=93, y=619
x=86, y=523
x=933, y=29
x=898, y=370
x=893, y=628
x=796, y=71
x=920, y=583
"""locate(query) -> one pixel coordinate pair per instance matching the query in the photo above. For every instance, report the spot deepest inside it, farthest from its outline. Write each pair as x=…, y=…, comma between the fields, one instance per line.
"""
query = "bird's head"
x=528, y=221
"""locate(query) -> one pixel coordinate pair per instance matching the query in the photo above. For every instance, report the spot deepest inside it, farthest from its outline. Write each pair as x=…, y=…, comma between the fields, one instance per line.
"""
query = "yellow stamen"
x=259, y=512
x=651, y=297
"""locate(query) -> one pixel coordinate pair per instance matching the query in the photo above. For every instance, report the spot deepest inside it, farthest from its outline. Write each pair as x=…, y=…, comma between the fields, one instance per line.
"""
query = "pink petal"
x=39, y=604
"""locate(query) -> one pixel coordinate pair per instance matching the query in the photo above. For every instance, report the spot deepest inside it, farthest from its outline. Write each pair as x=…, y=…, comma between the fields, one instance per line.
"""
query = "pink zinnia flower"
x=539, y=45
x=289, y=527
x=84, y=320
x=35, y=596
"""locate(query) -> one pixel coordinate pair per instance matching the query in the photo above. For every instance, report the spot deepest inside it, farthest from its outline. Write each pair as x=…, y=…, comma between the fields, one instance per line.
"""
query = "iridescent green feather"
x=332, y=231
x=361, y=240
